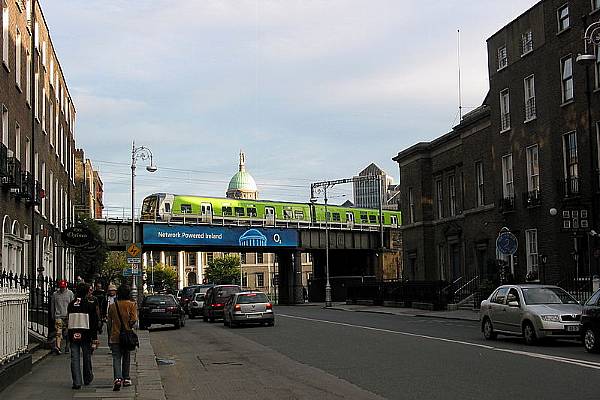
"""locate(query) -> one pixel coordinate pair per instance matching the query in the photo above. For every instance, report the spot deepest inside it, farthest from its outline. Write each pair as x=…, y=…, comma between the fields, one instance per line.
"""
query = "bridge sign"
x=507, y=243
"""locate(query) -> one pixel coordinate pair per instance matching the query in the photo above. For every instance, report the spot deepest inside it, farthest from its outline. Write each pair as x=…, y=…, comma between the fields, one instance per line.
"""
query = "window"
x=364, y=218
x=529, y=98
x=411, y=206
x=260, y=279
x=571, y=164
x=227, y=211
x=595, y=5
x=288, y=214
x=372, y=219
x=43, y=99
x=27, y=153
x=36, y=86
x=452, y=195
x=479, y=183
x=251, y=211
x=532, y=249
x=504, y=111
x=18, y=142
x=209, y=257
x=533, y=171
x=508, y=189
x=243, y=258
x=502, y=58
x=439, y=195
x=299, y=214
x=245, y=279
x=563, y=18
x=500, y=296
x=5, y=24
x=186, y=208
x=18, y=49
x=4, y=125
x=44, y=51
x=28, y=78
x=526, y=42
x=260, y=258
x=239, y=211
x=566, y=68
x=597, y=66
x=52, y=196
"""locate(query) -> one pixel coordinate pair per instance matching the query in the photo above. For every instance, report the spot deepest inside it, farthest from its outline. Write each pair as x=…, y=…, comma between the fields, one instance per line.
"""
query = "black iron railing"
x=532, y=198
x=507, y=203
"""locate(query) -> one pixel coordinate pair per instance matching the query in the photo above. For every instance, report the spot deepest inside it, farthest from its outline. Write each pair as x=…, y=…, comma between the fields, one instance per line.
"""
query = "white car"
x=532, y=311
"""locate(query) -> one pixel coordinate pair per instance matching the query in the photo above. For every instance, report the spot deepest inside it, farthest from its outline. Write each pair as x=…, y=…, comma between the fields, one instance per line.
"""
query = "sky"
x=310, y=90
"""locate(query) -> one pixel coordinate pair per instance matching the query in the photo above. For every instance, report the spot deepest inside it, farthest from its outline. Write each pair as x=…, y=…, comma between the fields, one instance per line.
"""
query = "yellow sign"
x=134, y=249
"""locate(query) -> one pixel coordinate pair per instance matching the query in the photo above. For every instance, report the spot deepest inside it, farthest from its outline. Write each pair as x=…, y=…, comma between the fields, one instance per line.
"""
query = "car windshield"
x=251, y=298
x=160, y=300
x=225, y=291
x=188, y=292
x=547, y=295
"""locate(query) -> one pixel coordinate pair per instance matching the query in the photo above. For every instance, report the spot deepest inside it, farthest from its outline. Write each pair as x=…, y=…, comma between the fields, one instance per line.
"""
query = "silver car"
x=532, y=311
x=248, y=307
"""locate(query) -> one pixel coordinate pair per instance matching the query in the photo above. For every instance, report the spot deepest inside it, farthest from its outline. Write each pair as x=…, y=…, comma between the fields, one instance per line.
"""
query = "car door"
x=512, y=315
x=270, y=216
x=206, y=213
x=497, y=309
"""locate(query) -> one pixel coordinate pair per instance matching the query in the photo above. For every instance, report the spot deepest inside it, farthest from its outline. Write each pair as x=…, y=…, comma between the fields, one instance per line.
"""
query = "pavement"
x=462, y=315
x=50, y=377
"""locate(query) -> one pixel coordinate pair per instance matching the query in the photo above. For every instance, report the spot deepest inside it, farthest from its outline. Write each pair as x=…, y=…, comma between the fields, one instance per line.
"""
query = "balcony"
x=11, y=176
x=530, y=111
x=3, y=161
x=570, y=187
x=505, y=122
x=507, y=204
x=532, y=198
x=27, y=187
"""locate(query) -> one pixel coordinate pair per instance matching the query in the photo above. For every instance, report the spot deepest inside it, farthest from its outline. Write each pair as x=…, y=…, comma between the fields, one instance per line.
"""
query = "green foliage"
x=90, y=259
x=165, y=277
x=222, y=270
x=112, y=269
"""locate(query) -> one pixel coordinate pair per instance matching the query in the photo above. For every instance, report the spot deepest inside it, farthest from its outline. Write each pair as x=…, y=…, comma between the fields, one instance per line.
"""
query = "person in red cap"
x=60, y=301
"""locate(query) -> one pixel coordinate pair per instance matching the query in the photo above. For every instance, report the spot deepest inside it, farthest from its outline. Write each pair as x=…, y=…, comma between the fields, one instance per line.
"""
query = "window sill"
x=501, y=69
x=504, y=131
x=5, y=65
x=530, y=119
x=568, y=102
x=597, y=90
x=19, y=88
x=563, y=31
x=526, y=53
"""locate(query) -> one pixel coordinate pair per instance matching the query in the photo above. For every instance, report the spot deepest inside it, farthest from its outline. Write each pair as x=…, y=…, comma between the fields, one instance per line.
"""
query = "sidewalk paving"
x=463, y=315
x=50, y=377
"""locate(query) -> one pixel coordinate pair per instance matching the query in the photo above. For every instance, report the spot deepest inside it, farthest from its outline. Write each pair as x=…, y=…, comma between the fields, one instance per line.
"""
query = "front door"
x=455, y=261
x=270, y=216
x=350, y=219
x=206, y=212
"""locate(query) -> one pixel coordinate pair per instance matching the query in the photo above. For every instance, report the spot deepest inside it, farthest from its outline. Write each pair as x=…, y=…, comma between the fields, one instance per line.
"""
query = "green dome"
x=243, y=181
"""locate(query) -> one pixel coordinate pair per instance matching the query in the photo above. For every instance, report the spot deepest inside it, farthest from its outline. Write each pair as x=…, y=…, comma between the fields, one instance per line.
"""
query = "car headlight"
x=550, y=318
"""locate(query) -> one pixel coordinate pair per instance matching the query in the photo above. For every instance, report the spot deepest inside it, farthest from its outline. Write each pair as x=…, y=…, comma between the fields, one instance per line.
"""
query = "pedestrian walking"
x=60, y=303
x=110, y=300
x=122, y=315
x=83, y=335
x=100, y=296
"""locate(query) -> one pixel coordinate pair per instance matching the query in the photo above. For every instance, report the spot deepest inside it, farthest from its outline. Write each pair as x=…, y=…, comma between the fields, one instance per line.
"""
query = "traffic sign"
x=134, y=249
x=134, y=260
x=507, y=243
x=132, y=272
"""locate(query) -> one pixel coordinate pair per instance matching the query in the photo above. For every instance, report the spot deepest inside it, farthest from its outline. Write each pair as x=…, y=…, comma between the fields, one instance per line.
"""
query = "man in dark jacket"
x=83, y=335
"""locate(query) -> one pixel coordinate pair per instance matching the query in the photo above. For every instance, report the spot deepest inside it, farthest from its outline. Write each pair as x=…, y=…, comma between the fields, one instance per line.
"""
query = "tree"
x=112, y=269
x=222, y=270
x=90, y=259
x=165, y=277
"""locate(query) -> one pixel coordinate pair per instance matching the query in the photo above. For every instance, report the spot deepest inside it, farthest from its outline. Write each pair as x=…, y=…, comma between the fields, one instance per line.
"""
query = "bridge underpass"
x=353, y=255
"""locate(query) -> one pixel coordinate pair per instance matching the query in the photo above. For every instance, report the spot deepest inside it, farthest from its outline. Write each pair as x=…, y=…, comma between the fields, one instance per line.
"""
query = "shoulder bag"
x=128, y=339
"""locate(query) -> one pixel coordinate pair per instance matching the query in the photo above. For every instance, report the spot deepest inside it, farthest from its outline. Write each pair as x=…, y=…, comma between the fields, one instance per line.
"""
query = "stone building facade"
x=37, y=148
x=89, y=189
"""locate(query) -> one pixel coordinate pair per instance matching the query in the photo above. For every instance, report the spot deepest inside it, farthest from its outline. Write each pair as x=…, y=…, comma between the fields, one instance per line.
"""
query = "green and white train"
x=166, y=207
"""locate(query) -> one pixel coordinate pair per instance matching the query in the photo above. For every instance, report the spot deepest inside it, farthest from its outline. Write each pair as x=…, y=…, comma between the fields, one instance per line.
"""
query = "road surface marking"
x=564, y=360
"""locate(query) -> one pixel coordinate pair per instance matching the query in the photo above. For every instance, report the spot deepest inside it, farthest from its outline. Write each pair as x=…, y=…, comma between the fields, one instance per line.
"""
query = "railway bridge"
x=352, y=252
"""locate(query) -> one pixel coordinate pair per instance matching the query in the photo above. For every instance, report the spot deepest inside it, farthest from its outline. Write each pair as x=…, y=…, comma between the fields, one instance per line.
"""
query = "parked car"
x=532, y=311
x=188, y=293
x=248, y=307
x=215, y=299
x=590, y=323
x=197, y=304
x=161, y=309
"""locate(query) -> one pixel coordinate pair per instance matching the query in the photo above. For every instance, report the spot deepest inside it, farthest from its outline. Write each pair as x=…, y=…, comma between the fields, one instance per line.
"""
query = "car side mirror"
x=513, y=304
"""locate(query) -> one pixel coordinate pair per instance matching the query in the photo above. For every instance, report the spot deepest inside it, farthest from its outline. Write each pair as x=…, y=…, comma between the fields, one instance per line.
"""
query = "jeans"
x=120, y=361
x=77, y=350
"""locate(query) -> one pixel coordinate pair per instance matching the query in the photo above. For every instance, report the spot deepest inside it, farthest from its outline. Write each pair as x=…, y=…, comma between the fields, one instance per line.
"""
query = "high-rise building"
x=370, y=193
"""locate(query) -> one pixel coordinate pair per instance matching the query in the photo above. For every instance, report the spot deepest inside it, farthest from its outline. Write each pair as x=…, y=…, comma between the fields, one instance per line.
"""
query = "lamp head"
x=151, y=168
x=553, y=211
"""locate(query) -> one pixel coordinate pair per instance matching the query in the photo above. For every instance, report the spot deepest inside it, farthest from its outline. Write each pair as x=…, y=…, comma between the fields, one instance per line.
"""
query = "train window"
x=239, y=211
x=372, y=219
x=227, y=211
x=336, y=217
x=287, y=214
x=251, y=211
x=167, y=207
x=299, y=214
x=186, y=208
x=363, y=218
x=394, y=220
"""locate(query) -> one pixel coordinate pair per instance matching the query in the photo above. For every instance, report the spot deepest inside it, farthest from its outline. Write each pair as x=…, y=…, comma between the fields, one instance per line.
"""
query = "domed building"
x=242, y=184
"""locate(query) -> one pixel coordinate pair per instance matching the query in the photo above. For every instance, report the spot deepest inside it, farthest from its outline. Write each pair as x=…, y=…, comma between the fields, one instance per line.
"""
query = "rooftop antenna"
x=459, y=81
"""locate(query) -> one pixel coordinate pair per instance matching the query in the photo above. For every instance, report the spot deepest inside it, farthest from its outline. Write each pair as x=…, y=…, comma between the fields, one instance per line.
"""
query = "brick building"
x=36, y=152
x=531, y=165
x=89, y=190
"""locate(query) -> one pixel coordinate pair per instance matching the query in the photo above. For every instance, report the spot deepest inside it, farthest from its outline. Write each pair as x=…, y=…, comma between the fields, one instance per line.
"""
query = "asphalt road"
x=317, y=353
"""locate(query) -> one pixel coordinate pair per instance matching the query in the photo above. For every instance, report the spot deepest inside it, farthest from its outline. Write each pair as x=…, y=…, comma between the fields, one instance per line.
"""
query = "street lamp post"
x=141, y=153
x=327, y=283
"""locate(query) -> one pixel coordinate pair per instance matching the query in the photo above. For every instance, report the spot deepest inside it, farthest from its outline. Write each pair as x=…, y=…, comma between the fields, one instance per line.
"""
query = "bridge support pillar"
x=290, y=277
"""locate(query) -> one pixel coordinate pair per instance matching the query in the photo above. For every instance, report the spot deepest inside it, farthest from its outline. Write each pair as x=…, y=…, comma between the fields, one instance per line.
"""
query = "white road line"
x=548, y=357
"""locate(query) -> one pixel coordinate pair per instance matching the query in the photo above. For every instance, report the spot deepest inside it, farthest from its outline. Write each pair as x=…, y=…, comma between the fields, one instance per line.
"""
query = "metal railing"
x=532, y=198
x=14, y=318
x=530, y=111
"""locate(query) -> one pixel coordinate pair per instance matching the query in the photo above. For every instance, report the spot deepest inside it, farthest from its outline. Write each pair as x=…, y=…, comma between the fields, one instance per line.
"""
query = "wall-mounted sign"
x=185, y=235
x=507, y=243
x=77, y=236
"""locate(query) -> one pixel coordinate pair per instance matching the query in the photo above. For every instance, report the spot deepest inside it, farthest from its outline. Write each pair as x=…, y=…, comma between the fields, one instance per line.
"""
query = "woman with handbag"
x=122, y=316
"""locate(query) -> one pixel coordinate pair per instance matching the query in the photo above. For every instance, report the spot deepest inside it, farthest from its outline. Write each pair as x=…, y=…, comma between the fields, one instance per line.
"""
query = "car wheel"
x=211, y=319
x=204, y=318
x=488, y=329
x=271, y=323
x=529, y=333
x=590, y=340
x=177, y=324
